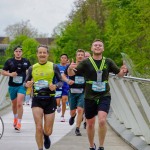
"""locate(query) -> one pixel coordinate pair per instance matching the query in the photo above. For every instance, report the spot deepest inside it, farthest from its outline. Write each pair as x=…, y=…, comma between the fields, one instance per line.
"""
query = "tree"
x=23, y=28
x=29, y=46
x=16, y=42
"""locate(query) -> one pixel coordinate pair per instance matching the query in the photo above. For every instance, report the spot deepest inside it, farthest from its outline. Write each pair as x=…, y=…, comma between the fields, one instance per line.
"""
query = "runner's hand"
x=52, y=87
x=13, y=74
x=29, y=84
x=73, y=65
x=124, y=69
x=70, y=82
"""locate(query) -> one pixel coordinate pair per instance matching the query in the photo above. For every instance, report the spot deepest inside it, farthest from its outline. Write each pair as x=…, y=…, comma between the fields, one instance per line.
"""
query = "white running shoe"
x=58, y=109
x=62, y=119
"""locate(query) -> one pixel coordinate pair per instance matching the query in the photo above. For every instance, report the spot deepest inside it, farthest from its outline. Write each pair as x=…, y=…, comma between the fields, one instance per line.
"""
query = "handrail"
x=131, y=103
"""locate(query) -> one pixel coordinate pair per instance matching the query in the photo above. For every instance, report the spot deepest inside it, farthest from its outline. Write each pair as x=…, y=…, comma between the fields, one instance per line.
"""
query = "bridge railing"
x=131, y=104
x=4, y=101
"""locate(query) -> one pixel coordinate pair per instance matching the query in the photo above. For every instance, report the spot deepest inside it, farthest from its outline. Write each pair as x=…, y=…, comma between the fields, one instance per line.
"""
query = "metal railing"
x=4, y=101
x=131, y=103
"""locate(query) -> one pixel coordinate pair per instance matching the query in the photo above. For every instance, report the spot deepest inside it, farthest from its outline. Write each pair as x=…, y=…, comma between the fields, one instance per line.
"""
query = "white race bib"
x=79, y=80
x=18, y=79
x=75, y=90
x=98, y=86
x=58, y=93
x=41, y=84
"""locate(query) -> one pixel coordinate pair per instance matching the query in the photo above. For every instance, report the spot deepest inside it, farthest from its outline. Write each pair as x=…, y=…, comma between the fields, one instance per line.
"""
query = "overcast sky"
x=44, y=15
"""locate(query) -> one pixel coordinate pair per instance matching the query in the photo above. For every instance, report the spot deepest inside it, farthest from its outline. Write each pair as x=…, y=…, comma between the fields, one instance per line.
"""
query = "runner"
x=87, y=55
x=96, y=70
x=76, y=95
x=41, y=76
x=16, y=69
x=62, y=93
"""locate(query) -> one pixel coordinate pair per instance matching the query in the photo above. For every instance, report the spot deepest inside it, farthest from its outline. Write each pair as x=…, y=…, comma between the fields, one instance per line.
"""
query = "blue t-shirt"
x=62, y=69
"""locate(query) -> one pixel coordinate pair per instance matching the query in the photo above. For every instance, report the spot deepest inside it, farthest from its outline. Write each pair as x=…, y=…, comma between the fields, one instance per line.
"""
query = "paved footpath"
x=63, y=137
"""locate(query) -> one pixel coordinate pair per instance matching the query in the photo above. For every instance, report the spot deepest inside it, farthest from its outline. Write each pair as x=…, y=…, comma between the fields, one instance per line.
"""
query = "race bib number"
x=79, y=80
x=58, y=93
x=99, y=86
x=18, y=79
x=41, y=84
x=74, y=90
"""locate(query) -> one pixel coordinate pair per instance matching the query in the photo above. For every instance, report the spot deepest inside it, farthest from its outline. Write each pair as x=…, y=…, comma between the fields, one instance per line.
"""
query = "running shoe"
x=62, y=119
x=58, y=109
x=93, y=148
x=15, y=122
x=101, y=148
x=67, y=107
x=71, y=120
x=18, y=126
x=47, y=142
x=77, y=132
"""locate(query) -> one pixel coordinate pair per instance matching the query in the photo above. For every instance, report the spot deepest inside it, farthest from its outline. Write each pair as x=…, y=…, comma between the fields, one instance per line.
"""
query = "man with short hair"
x=76, y=94
x=16, y=69
x=41, y=77
x=62, y=93
x=96, y=70
x=87, y=55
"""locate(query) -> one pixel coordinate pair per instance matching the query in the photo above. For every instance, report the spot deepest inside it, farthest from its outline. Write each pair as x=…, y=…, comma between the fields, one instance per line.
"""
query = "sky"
x=44, y=15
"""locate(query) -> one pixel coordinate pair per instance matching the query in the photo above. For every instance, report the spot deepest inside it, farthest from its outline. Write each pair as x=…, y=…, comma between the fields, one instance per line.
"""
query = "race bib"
x=58, y=93
x=74, y=90
x=18, y=79
x=79, y=80
x=41, y=84
x=99, y=86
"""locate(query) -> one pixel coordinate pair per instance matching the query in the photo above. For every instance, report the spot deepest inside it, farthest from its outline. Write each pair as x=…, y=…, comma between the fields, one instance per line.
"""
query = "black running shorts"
x=93, y=106
x=47, y=104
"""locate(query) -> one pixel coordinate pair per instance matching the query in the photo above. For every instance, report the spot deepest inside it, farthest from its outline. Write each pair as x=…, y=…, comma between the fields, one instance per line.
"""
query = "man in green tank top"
x=41, y=77
x=96, y=70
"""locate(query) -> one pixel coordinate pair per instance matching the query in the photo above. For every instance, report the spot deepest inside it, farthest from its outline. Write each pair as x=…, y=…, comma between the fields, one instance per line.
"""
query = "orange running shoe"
x=18, y=126
x=15, y=122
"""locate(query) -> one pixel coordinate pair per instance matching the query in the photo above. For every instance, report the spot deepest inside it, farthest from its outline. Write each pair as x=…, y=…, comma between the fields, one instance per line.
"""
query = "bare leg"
x=102, y=127
x=58, y=101
x=38, y=118
x=48, y=123
x=64, y=100
x=20, y=99
x=79, y=116
x=14, y=106
x=91, y=130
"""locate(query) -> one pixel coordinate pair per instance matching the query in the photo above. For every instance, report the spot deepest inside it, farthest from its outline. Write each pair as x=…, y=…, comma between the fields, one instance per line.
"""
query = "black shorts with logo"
x=47, y=104
x=93, y=106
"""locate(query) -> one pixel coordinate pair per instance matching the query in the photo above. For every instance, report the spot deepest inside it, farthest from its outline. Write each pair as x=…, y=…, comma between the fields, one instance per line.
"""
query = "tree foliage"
x=29, y=46
x=123, y=25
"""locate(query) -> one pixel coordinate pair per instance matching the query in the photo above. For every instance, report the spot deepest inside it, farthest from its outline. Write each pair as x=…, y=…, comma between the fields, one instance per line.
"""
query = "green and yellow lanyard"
x=96, y=69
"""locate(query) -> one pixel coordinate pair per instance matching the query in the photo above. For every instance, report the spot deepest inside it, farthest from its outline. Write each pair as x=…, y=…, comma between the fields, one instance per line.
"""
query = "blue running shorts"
x=14, y=90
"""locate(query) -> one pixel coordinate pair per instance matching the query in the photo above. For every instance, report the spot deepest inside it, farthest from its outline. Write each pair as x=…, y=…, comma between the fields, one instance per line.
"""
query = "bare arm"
x=71, y=68
x=64, y=78
x=7, y=73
